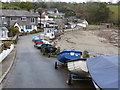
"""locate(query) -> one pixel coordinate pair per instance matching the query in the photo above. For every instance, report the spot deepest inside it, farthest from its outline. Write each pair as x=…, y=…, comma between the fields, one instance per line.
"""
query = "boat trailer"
x=72, y=77
x=59, y=64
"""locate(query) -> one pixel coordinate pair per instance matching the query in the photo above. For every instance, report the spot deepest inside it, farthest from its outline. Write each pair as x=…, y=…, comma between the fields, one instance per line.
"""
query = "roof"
x=6, y=12
x=57, y=14
x=50, y=9
x=73, y=17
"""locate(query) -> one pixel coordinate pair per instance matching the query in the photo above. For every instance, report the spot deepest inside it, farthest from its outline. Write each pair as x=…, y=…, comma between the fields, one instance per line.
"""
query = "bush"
x=0, y=48
x=13, y=31
x=86, y=54
x=34, y=31
x=6, y=45
x=24, y=33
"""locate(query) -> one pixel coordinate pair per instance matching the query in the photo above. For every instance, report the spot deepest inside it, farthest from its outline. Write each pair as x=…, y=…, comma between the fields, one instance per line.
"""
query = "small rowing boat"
x=64, y=56
x=78, y=66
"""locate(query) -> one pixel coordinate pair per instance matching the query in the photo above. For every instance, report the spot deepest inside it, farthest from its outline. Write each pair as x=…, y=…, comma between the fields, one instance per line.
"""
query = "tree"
x=81, y=11
x=68, y=11
x=97, y=12
x=26, y=5
x=40, y=11
x=37, y=5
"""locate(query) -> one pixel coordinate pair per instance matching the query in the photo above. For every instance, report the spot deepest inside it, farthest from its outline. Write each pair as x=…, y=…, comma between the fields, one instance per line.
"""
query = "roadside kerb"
x=4, y=75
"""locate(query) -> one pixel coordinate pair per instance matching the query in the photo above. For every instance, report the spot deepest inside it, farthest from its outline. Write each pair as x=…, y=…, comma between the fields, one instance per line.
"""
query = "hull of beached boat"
x=78, y=67
x=64, y=56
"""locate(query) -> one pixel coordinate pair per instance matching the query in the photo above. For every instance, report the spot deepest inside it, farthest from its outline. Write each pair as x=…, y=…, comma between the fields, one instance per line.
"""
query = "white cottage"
x=48, y=33
x=82, y=23
x=3, y=33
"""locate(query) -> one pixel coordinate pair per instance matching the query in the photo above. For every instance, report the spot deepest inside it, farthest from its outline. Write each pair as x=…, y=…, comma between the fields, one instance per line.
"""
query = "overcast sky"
x=114, y=1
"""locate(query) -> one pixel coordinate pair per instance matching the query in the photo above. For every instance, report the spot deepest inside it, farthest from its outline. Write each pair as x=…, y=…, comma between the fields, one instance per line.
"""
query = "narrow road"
x=32, y=70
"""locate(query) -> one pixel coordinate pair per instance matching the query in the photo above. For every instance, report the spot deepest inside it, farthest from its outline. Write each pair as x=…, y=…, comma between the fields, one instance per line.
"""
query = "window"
x=14, y=18
x=32, y=19
x=3, y=19
x=23, y=19
x=28, y=27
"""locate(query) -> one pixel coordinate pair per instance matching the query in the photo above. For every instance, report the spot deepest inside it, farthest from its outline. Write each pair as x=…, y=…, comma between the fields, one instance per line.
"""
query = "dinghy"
x=64, y=56
x=78, y=67
x=35, y=38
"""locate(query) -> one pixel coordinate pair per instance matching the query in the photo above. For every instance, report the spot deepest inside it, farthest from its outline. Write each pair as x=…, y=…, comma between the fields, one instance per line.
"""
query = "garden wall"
x=5, y=53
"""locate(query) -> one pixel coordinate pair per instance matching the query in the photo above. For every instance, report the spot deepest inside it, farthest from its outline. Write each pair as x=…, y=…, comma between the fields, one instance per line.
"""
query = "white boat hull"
x=78, y=67
x=97, y=88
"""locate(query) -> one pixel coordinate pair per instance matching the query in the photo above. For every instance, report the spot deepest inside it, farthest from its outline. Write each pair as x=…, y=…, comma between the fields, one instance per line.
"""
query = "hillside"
x=114, y=12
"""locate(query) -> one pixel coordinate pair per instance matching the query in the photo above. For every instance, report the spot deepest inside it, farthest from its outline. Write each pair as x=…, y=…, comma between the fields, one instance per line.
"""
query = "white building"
x=4, y=33
x=48, y=33
x=83, y=23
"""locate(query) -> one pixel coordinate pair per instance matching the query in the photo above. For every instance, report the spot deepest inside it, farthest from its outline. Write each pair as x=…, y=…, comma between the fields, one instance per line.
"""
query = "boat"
x=44, y=46
x=46, y=42
x=78, y=67
x=104, y=71
x=35, y=38
x=41, y=42
x=38, y=40
x=48, y=49
x=64, y=56
x=38, y=45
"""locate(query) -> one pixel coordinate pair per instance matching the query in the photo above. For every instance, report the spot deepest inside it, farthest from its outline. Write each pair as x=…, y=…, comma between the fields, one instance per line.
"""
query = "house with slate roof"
x=22, y=19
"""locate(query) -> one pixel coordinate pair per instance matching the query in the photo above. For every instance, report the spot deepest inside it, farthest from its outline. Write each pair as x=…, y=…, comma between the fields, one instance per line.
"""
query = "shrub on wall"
x=1, y=48
x=6, y=45
x=34, y=31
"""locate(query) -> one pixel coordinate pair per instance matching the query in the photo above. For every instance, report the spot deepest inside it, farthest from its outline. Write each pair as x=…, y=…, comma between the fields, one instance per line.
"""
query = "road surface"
x=33, y=70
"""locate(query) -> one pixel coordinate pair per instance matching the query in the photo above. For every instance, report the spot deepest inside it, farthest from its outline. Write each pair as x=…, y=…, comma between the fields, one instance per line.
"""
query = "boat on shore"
x=35, y=38
x=48, y=49
x=64, y=56
x=78, y=66
x=104, y=71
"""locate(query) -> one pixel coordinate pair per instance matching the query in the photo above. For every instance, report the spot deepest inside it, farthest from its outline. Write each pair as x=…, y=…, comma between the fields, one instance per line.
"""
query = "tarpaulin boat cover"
x=104, y=71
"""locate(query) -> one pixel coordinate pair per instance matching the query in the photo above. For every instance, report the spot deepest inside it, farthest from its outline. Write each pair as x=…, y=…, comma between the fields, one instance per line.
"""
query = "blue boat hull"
x=38, y=40
x=68, y=55
x=35, y=37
